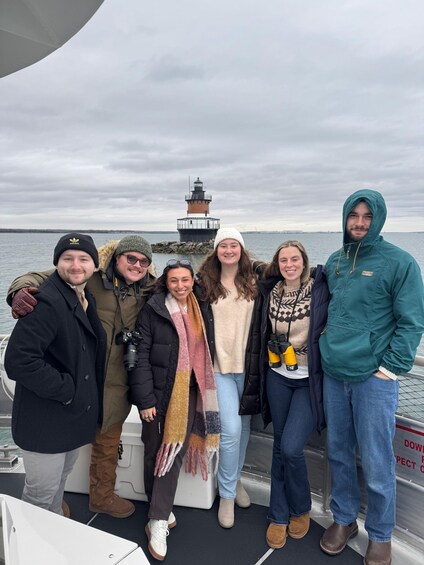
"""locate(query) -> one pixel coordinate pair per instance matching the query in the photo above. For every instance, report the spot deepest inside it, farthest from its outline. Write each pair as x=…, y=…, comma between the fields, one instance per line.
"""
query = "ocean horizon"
x=32, y=250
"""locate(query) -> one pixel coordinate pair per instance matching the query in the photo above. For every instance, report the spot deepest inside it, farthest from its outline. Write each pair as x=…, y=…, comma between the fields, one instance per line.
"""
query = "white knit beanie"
x=228, y=233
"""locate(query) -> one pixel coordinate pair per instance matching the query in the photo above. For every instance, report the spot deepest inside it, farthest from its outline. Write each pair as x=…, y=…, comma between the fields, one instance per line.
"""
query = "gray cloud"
x=283, y=109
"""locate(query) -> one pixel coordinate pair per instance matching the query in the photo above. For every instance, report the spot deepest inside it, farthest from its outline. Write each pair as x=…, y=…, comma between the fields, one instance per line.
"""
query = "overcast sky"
x=282, y=107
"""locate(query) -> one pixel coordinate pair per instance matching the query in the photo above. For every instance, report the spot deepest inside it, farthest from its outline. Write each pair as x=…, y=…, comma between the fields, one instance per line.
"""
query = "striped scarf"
x=193, y=355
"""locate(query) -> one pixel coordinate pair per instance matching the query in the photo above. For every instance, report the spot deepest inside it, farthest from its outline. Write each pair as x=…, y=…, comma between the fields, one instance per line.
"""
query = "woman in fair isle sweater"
x=294, y=312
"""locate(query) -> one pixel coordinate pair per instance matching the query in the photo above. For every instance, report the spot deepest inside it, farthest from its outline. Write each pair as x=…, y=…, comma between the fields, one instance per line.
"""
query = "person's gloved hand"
x=23, y=302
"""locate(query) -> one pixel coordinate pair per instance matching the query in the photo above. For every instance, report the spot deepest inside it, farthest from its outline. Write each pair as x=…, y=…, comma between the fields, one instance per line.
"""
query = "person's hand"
x=148, y=414
x=24, y=302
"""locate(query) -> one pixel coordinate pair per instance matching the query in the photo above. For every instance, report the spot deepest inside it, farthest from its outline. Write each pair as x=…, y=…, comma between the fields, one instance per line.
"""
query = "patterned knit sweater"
x=296, y=308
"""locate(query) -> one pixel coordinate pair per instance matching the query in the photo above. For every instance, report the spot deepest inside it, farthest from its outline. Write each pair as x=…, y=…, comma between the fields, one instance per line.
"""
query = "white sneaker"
x=157, y=532
x=172, y=521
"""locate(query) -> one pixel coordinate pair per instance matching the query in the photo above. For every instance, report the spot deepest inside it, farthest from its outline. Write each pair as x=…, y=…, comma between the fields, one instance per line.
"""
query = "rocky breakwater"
x=183, y=247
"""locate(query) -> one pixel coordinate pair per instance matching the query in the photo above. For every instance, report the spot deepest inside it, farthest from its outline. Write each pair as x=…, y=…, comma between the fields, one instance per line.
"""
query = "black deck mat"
x=198, y=539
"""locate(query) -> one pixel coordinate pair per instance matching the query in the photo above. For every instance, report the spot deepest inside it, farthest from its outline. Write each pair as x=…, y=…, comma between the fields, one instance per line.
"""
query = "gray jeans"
x=45, y=479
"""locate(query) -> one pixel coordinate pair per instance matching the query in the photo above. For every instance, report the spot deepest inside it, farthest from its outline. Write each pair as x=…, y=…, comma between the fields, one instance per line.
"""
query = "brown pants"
x=161, y=490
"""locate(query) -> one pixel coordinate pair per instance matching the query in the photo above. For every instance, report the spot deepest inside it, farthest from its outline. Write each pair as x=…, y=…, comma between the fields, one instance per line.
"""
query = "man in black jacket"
x=56, y=356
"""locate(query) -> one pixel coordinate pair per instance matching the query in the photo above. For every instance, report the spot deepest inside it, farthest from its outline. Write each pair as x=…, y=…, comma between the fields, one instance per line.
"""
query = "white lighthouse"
x=198, y=224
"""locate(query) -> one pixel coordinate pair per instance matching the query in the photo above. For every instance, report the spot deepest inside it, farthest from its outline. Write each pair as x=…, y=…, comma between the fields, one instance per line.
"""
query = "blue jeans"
x=363, y=414
x=291, y=413
x=235, y=432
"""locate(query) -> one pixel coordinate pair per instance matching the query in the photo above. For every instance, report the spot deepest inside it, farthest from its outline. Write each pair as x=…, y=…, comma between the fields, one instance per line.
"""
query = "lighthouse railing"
x=201, y=223
x=196, y=196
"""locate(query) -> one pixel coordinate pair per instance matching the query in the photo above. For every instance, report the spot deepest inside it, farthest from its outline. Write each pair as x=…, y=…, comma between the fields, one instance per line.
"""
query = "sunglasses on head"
x=133, y=260
x=178, y=263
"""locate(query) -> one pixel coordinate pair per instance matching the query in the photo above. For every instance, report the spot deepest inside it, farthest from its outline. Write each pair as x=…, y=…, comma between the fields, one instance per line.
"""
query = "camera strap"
x=292, y=312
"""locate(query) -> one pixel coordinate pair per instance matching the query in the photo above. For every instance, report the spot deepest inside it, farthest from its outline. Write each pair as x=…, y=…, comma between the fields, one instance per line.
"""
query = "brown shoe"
x=65, y=509
x=276, y=535
x=116, y=506
x=299, y=526
x=378, y=553
x=336, y=537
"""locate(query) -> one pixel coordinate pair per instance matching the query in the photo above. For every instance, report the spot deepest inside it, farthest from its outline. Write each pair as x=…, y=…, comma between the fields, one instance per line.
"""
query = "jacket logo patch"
x=74, y=241
x=367, y=273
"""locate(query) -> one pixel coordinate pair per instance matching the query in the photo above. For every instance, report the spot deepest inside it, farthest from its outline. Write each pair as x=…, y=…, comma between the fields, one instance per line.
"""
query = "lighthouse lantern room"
x=197, y=225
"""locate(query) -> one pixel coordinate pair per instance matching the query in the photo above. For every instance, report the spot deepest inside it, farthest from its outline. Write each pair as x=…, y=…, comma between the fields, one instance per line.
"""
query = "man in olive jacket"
x=120, y=288
x=56, y=356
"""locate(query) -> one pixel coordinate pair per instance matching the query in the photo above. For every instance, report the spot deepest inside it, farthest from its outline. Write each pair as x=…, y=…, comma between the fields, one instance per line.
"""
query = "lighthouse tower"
x=197, y=225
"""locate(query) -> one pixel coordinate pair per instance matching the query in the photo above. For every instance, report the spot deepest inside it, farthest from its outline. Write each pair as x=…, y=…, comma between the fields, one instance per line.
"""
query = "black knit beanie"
x=134, y=243
x=77, y=241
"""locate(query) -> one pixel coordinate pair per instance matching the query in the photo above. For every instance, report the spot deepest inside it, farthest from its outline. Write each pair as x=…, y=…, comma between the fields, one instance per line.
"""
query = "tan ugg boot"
x=226, y=513
x=299, y=526
x=104, y=460
x=242, y=498
x=276, y=535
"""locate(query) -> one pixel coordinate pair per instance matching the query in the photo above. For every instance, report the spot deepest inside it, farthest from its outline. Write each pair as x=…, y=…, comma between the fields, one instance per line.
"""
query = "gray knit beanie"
x=134, y=243
x=77, y=242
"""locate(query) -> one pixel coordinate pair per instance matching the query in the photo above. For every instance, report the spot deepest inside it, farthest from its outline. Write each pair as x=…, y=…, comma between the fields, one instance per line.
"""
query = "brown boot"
x=115, y=506
x=65, y=509
x=335, y=537
x=104, y=460
x=378, y=553
x=299, y=526
x=276, y=535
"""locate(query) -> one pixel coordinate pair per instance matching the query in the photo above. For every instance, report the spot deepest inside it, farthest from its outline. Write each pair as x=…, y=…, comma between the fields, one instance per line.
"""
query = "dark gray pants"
x=161, y=490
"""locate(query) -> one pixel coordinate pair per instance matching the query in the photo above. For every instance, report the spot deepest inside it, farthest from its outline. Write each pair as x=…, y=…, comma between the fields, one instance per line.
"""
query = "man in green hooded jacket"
x=375, y=324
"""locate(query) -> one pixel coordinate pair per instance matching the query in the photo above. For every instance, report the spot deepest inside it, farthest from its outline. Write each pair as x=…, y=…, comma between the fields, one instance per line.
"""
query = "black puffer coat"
x=320, y=297
x=152, y=381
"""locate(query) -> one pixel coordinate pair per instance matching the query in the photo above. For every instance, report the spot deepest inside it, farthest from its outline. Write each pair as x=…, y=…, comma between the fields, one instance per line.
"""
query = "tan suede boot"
x=226, y=513
x=276, y=535
x=104, y=460
x=299, y=526
x=242, y=498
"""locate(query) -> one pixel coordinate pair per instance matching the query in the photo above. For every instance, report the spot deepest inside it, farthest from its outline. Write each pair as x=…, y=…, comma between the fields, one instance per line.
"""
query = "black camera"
x=277, y=346
x=129, y=340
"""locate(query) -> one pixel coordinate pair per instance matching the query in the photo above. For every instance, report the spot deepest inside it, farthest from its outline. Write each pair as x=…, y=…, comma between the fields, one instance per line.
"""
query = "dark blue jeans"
x=364, y=414
x=292, y=420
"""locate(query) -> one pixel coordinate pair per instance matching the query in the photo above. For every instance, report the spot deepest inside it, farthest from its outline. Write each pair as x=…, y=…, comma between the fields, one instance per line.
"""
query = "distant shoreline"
x=35, y=230
x=57, y=230
x=39, y=230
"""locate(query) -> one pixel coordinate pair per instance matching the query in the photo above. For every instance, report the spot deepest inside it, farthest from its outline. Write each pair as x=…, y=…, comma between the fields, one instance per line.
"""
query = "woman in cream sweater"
x=229, y=286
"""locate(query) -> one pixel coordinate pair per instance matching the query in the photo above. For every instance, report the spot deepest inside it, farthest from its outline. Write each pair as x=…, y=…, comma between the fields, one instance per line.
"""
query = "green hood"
x=375, y=202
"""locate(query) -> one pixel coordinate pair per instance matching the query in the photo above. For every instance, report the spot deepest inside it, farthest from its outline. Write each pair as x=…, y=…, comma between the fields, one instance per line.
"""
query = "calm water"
x=23, y=252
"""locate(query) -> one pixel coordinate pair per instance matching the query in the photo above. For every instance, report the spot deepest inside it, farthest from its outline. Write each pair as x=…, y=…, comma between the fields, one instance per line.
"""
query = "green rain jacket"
x=376, y=311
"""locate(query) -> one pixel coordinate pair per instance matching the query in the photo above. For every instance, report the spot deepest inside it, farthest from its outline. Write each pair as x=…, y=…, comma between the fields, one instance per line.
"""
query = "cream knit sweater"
x=232, y=318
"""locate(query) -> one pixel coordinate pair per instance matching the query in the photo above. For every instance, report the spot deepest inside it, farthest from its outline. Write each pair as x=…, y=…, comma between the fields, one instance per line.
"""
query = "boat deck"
x=198, y=539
